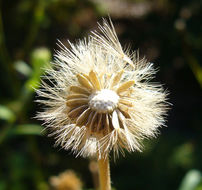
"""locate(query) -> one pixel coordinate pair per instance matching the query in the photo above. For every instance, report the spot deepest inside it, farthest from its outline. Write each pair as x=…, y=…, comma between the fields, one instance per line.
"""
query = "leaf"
x=28, y=129
x=40, y=60
x=23, y=68
x=6, y=114
x=191, y=180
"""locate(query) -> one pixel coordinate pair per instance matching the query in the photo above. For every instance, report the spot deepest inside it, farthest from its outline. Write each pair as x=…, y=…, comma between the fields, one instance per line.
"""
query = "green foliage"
x=28, y=129
x=168, y=32
x=6, y=114
x=191, y=180
x=40, y=60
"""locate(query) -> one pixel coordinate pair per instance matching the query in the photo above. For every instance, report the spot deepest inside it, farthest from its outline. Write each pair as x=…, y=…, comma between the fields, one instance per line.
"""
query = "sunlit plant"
x=98, y=98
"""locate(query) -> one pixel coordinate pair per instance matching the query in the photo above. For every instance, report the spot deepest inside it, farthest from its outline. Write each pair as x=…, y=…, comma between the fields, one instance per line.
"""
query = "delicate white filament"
x=90, y=120
x=104, y=101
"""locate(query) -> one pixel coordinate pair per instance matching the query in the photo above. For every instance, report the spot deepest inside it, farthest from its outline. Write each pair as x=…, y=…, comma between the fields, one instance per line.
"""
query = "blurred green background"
x=168, y=33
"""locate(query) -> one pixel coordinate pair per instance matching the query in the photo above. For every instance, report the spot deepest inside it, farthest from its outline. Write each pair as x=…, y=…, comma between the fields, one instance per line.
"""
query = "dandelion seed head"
x=99, y=98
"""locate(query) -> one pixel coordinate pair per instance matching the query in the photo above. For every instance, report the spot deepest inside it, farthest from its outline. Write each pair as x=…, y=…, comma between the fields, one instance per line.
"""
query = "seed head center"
x=103, y=101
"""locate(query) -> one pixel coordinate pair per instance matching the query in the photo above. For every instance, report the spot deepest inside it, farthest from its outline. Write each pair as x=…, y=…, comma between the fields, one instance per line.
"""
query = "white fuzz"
x=104, y=101
x=98, y=98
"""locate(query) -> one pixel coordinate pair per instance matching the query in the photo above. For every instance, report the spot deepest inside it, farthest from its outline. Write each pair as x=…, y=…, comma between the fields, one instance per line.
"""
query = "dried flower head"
x=99, y=97
x=67, y=180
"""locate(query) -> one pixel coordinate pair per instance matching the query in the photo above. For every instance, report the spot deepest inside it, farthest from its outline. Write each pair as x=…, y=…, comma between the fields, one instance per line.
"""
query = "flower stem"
x=104, y=174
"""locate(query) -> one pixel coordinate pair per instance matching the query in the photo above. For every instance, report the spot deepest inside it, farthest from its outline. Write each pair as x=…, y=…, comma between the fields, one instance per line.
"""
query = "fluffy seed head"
x=98, y=97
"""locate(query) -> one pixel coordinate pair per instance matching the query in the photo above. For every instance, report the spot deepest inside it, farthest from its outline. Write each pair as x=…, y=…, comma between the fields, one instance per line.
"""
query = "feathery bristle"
x=100, y=98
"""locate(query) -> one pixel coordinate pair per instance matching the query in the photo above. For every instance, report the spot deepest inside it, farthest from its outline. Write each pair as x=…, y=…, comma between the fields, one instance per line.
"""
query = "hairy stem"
x=104, y=174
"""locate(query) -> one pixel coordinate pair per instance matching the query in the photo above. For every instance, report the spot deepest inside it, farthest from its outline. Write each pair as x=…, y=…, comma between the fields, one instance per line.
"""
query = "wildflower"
x=67, y=180
x=99, y=98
